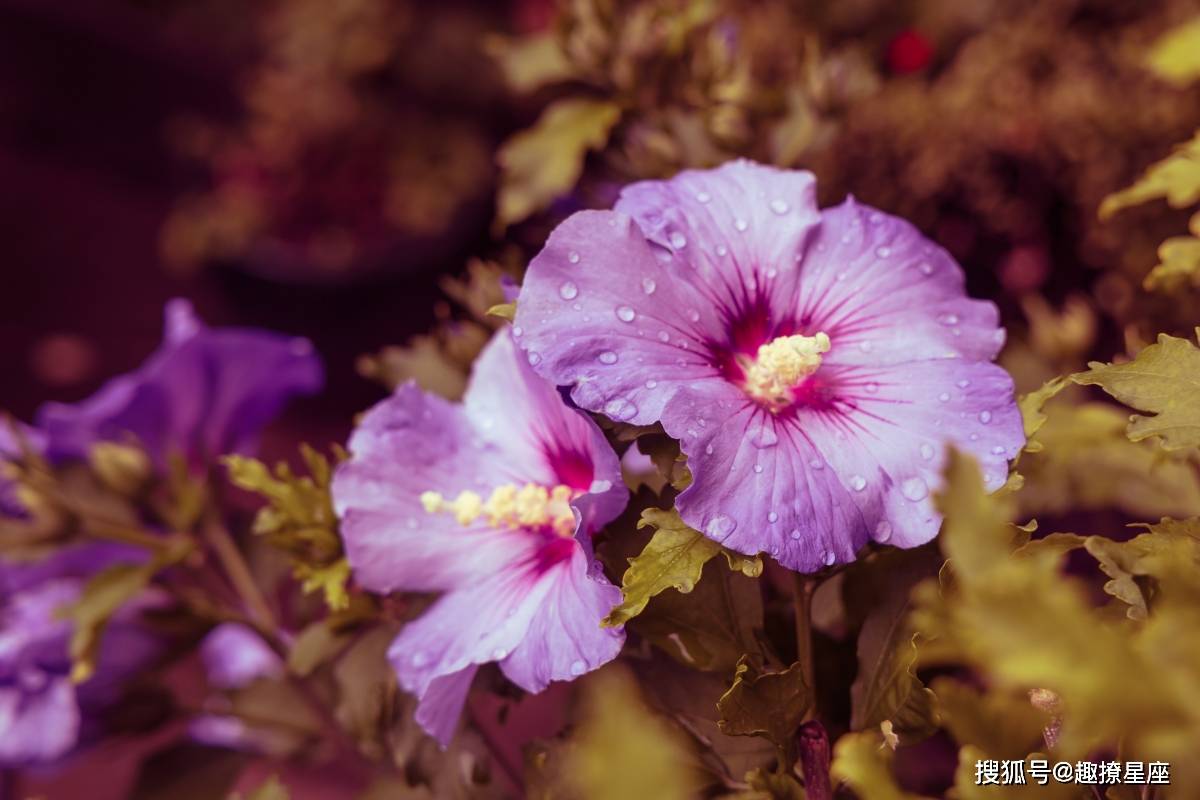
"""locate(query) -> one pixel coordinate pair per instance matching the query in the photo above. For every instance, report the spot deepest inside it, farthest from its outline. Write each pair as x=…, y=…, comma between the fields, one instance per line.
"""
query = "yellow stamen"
x=510, y=506
x=783, y=364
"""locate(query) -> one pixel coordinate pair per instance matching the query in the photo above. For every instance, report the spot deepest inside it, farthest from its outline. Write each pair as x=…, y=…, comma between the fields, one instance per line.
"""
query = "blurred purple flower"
x=234, y=656
x=813, y=364
x=493, y=503
x=204, y=393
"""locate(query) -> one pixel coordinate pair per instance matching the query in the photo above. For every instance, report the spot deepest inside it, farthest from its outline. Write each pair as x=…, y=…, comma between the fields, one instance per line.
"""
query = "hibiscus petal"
x=38, y=725
x=565, y=639
x=441, y=706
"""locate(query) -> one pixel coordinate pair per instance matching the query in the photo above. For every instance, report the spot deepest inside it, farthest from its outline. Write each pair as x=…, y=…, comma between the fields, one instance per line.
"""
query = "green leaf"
x=1031, y=406
x=673, y=559
x=712, y=626
x=1165, y=560
x=621, y=750
x=1005, y=725
x=864, y=762
x=505, y=311
x=1179, y=263
x=1175, y=57
x=1176, y=177
x=542, y=163
x=314, y=646
x=1164, y=381
x=767, y=704
x=1084, y=461
x=530, y=62
x=885, y=687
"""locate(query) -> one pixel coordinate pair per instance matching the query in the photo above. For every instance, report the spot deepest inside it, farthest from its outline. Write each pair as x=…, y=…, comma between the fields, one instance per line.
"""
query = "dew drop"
x=573, y=257
x=568, y=291
x=796, y=533
x=883, y=252
x=419, y=659
x=765, y=436
x=758, y=468
x=703, y=197
x=607, y=357
x=998, y=450
x=578, y=668
x=533, y=358
x=864, y=346
x=626, y=314
x=664, y=337
x=499, y=653
x=858, y=483
x=772, y=517
x=948, y=319
x=694, y=315
x=771, y=273
x=780, y=206
x=872, y=387
x=678, y=240
x=722, y=250
x=741, y=224
x=926, y=268
x=619, y=408
x=708, y=450
x=720, y=525
x=883, y=531
x=927, y=452
x=962, y=384
x=914, y=489
x=985, y=417
x=829, y=558
x=650, y=384
x=648, y=285
x=817, y=463
x=944, y=397
x=518, y=330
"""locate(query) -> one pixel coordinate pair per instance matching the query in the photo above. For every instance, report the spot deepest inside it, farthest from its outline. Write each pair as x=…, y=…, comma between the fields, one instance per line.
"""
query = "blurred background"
x=364, y=172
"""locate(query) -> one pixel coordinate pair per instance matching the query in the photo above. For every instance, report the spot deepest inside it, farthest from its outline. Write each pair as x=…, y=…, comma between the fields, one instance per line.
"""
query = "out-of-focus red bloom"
x=908, y=52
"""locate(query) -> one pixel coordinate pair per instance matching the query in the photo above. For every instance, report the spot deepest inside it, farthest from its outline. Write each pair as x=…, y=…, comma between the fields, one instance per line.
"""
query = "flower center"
x=510, y=506
x=781, y=365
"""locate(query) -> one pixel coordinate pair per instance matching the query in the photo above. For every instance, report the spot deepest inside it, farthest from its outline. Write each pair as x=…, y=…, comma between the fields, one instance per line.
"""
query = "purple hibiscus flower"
x=812, y=363
x=203, y=393
x=492, y=503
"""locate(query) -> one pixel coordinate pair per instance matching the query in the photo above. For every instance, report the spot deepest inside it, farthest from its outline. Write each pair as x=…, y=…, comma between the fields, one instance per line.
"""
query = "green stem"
x=239, y=574
x=803, y=587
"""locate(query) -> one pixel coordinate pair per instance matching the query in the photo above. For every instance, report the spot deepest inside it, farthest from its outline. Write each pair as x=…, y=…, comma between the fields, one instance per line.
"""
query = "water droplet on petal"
x=626, y=314
x=703, y=197
x=533, y=358
x=998, y=450
x=883, y=252
x=780, y=206
x=772, y=517
x=648, y=285
x=663, y=336
x=650, y=384
x=419, y=659
x=944, y=397
x=829, y=558
x=568, y=291
x=948, y=319
x=864, y=346
x=817, y=463
x=678, y=240
x=578, y=668
x=518, y=330
x=927, y=452
x=962, y=384
x=872, y=387
x=573, y=257
x=758, y=468
x=720, y=526
x=985, y=417
x=858, y=483
x=708, y=450
x=914, y=489
x=796, y=533
x=499, y=653
x=741, y=224
x=765, y=435
x=722, y=250
x=926, y=268
x=619, y=408
x=694, y=315
x=883, y=531
x=607, y=357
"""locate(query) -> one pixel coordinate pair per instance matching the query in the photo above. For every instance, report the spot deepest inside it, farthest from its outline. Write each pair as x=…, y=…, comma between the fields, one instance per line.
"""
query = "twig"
x=238, y=572
x=803, y=588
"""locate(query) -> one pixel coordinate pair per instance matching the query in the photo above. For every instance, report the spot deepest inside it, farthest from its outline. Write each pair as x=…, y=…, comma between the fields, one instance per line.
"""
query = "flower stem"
x=239, y=574
x=803, y=587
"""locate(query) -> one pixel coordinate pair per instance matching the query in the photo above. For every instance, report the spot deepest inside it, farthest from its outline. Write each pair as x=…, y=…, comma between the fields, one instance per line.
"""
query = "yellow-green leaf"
x=1032, y=415
x=1163, y=381
x=1176, y=177
x=864, y=763
x=763, y=703
x=1178, y=267
x=621, y=750
x=673, y=559
x=505, y=311
x=101, y=597
x=530, y=62
x=1175, y=57
x=544, y=162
